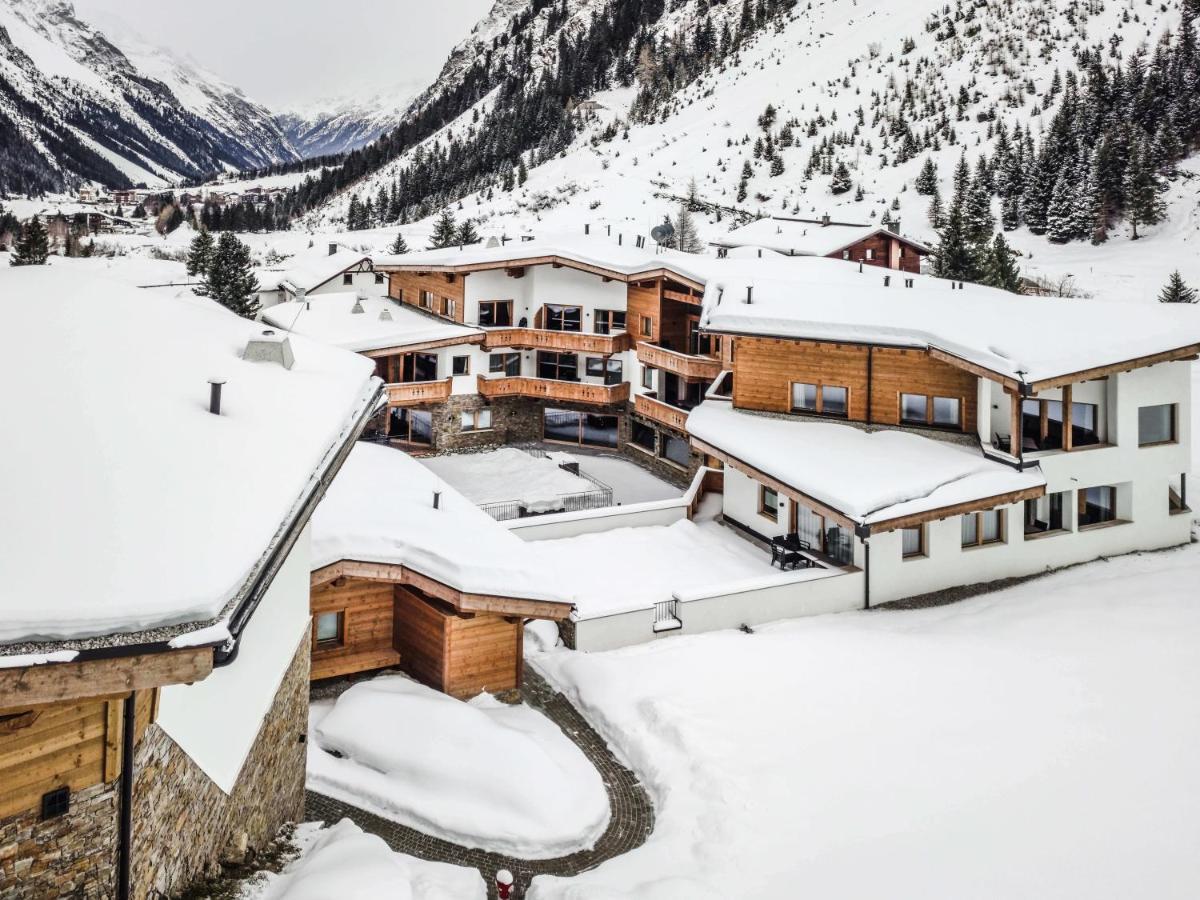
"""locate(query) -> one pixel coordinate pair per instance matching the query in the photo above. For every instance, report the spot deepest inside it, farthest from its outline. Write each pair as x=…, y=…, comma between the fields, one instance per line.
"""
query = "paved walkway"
x=631, y=823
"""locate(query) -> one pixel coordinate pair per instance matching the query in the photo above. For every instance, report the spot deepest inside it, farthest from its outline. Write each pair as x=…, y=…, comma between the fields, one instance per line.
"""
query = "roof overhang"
x=392, y=349
x=558, y=260
x=463, y=601
x=58, y=682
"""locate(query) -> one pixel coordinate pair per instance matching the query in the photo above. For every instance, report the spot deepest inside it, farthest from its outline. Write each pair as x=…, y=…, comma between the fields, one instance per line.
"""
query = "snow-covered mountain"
x=841, y=78
x=77, y=106
x=339, y=124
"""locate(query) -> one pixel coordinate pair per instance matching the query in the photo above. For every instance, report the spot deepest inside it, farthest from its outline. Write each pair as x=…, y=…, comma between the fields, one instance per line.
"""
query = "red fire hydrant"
x=504, y=885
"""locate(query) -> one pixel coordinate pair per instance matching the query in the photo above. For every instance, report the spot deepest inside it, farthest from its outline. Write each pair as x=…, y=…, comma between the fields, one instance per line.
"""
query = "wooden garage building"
x=370, y=616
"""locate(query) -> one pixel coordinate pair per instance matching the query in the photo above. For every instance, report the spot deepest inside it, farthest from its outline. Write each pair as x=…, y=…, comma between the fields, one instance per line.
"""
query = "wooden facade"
x=367, y=627
x=884, y=249
x=74, y=744
x=643, y=311
x=570, y=341
x=875, y=377
x=445, y=288
x=550, y=389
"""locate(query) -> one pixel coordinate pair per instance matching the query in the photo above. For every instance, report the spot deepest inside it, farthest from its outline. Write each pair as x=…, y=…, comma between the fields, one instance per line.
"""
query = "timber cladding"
x=367, y=626
x=644, y=300
x=407, y=287
x=766, y=368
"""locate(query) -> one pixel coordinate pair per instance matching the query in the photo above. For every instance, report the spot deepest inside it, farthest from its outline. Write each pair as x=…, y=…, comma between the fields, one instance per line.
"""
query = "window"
x=347, y=279
x=56, y=803
x=647, y=326
x=870, y=253
x=1084, y=427
x=642, y=435
x=563, y=318
x=912, y=542
x=495, y=313
x=768, y=503
x=413, y=426
x=648, y=378
x=419, y=367
x=1045, y=514
x=677, y=450
x=982, y=528
x=426, y=300
x=460, y=365
x=1097, y=505
x=508, y=363
x=825, y=400
x=595, y=366
x=448, y=307
x=845, y=254
x=476, y=420
x=330, y=630
x=1157, y=425
x=942, y=412
x=558, y=366
x=580, y=428
x=609, y=320
x=380, y=278
x=1044, y=428
x=609, y=368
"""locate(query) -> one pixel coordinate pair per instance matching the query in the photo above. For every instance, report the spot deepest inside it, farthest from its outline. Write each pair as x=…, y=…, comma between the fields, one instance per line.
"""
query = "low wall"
x=808, y=593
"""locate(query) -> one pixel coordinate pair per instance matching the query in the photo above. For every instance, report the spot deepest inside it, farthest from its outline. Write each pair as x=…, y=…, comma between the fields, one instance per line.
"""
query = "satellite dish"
x=663, y=233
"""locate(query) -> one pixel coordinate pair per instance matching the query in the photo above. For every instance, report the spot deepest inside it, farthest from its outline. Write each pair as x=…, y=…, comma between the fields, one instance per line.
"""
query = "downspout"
x=863, y=532
x=1023, y=390
x=125, y=823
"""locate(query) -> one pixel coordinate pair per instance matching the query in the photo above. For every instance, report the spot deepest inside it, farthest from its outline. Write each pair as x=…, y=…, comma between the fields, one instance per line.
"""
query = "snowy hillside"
x=839, y=76
x=339, y=124
x=75, y=106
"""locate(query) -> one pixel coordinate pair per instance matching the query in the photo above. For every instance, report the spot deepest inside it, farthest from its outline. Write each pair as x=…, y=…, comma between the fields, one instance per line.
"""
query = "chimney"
x=385, y=315
x=333, y=248
x=893, y=226
x=214, y=395
x=887, y=280
x=825, y=220
x=270, y=347
x=437, y=499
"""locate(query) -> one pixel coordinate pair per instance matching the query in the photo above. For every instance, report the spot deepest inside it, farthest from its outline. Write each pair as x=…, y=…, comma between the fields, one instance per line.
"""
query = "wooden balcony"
x=549, y=389
x=662, y=413
x=414, y=393
x=692, y=368
x=571, y=341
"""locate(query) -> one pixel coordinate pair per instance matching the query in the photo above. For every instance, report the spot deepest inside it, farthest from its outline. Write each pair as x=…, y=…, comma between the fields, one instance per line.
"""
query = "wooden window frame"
x=820, y=392
x=928, y=421
x=454, y=365
x=336, y=643
x=922, y=542
x=562, y=306
x=647, y=326
x=1002, y=529
x=494, y=305
x=505, y=358
x=1081, y=507
x=770, y=511
x=1174, y=438
x=648, y=377
x=475, y=414
x=605, y=316
x=425, y=300
x=558, y=357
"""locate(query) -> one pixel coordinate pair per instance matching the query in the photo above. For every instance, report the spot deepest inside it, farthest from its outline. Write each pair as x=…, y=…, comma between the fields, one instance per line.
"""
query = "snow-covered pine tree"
x=687, y=238
x=937, y=212
x=522, y=173
x=445, y=231
x=200, y=253
x=1060, y=212
x=927, y=182
x=231, y=280
x=1000, y=269
x=33, y=246
x=955, y=257
x=1010, y=212
x=1143, y=189
x=841, y=179
x=354, y=214
x=467, y=234
x=399, y=245
x=1176, y=291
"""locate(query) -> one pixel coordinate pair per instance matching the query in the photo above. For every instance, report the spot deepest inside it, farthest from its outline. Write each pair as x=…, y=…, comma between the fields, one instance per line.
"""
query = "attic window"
x=379, y=278
x=347, y=279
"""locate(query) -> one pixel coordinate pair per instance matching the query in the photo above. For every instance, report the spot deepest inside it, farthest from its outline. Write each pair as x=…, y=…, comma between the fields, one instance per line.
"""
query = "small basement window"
x=56, y=803
x=330, y=630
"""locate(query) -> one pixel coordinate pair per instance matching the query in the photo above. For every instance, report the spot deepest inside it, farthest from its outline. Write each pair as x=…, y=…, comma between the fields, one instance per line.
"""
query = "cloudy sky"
x=286, y=52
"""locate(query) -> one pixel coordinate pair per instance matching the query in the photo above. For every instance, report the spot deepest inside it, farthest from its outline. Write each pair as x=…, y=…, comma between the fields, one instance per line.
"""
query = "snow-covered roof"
x=868, y=476
x=380, y=509
x=127, y=505
x=802, y=237
x=309, y=272
x=1015, y=336
x=330, y=318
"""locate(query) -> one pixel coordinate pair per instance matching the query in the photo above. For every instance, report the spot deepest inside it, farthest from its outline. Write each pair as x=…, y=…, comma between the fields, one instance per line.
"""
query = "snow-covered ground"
x=630, y=483
x=481, y=773
x=1035, y=742
x=344, y=862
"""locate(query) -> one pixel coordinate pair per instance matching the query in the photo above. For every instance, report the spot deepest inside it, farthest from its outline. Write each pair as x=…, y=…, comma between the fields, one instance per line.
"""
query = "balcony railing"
x=695, y=368
x=544, y=339
x=550, y=389
x=663, y=413
x=411, y=393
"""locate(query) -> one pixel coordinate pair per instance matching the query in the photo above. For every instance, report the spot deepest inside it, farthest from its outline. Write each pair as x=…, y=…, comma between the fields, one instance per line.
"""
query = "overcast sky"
x=283, y=52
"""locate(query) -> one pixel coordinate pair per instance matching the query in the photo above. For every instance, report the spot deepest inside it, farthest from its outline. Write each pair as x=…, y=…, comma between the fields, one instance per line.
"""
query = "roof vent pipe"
x=887, y=280
x=333, y=248
x=749, y=294
x=214, y=395
x=860, y=267
x=437, y=499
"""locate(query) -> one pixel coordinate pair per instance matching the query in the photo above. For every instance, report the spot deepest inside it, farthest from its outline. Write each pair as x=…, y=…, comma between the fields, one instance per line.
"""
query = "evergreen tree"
x=927, y=181
x=445, y=231
x=467, y=234
x=937, y=213
x=33, y=246
x=977, y=211
x=1143, y=190
x=955, y=257
x=776, y=165
x=1010, y=212
x=1176, y=291
x=399, y=245
x=522, y=172
x=139, y=211
x=841, y=179
x=200, y=254
x=1060, y=213
x=1000, y=269
x=230, y=280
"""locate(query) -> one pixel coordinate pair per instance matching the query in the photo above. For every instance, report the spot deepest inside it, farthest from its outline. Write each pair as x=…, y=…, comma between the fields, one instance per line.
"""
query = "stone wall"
x=73, y=855
x=658, y=465
x=184, y=825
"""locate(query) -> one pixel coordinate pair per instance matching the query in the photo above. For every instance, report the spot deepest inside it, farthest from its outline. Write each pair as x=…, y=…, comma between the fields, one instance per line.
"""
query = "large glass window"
x=495, y=313
x=913, y=408
x=610, y=320
x=1156, y=424
x=563, y=318
x=411, y=425
x=610, y=369
x=825, y=399
x=580, y=428
x=561, y=425
x=1045, y=514
x=919, y=409
x=1085, y=428
x=420, y=367
x=598, y=431
x=508, y=363
x=559, y=366
x=947, y=411
x=1097, y=505
x=643, y=436
x=676, y=450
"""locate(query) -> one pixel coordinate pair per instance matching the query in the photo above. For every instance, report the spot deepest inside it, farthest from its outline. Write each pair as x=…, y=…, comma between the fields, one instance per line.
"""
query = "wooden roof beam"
x=57, y=682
